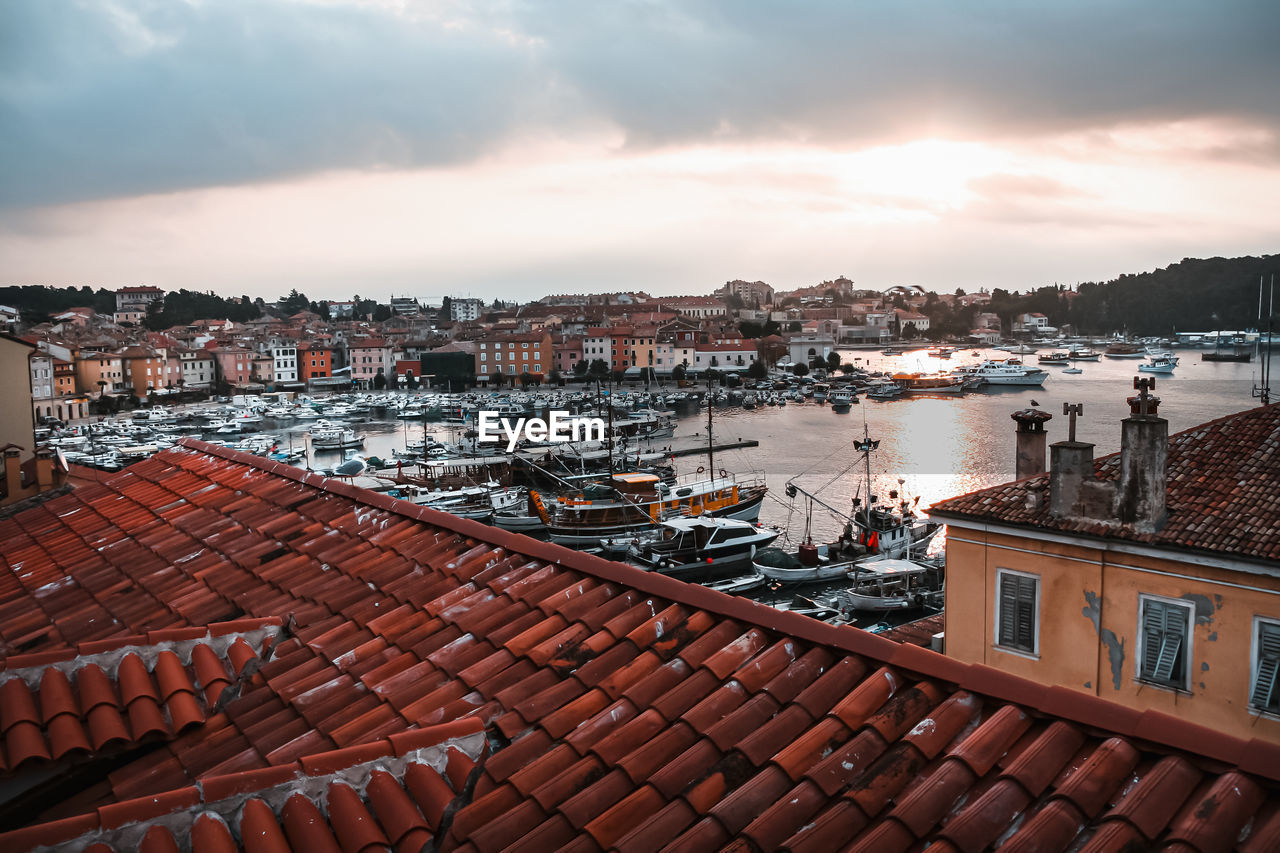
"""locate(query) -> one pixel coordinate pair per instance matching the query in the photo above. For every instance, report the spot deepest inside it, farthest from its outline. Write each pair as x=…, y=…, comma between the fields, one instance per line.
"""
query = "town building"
x=753, y=293
x=514, y=354
x=1149, y=577
x=368, y=359
x=465, y=310
x=698, y=307
x=234, y=365
x=131, y=300
x=143, y=370
x=284, y=362
x=99, y=373
x=315, y=361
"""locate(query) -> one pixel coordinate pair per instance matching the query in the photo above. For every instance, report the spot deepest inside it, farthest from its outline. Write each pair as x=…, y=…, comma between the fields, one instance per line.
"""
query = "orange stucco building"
x=1149, y=577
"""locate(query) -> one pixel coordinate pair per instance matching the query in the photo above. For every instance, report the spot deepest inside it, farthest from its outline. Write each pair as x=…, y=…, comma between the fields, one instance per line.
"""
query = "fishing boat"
x=1157, y=364
x=1073, y=371
x=1121, y=349
x=884, y=391
x=928, y=383
x=476, y=502
x=891, y=351
x=627, y=503
x=882, y=584
x=1057, y=357
x=842, y=400
x=820, y=391
x=1084, y=354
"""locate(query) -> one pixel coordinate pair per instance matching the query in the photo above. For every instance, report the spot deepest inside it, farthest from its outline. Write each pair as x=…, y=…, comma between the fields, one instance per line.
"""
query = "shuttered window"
x=1265, y=695
x=1166, y=628
x=1016, y=611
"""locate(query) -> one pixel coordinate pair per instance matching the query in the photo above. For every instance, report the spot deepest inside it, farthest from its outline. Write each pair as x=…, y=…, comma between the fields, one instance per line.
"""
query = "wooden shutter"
x=1164, y=629
x=1017, y=611
x=1264, y=686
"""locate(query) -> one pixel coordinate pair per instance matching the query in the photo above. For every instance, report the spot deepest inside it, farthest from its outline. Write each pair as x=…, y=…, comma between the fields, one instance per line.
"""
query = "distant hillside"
x=1194, y=295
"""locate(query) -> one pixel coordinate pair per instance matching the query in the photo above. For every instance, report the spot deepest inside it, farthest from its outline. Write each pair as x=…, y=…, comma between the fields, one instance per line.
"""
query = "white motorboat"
x=1010, y=372
x=1158, y=364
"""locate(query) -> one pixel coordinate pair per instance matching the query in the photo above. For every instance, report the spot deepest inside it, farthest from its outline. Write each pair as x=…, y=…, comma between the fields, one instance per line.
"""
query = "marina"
x=422, y=448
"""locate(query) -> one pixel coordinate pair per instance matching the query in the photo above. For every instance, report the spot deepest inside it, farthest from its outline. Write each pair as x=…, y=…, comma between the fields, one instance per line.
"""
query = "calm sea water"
x=937, y=446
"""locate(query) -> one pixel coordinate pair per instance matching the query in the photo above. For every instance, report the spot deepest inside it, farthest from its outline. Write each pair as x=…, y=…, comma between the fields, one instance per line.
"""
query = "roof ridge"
x=1255, y=756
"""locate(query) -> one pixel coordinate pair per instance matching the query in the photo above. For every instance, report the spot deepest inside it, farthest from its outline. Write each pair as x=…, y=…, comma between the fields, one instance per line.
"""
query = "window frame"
x=1034, y=651
x=1255, y=655
x=1140, y=644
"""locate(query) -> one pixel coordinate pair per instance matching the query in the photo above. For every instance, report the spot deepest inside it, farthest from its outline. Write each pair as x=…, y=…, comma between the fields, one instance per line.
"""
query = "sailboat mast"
x=711, y=444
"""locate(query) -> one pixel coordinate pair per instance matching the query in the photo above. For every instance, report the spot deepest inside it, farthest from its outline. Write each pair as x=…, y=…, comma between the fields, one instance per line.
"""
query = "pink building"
x=568, y=352
x=235, y=364
x=368, y=357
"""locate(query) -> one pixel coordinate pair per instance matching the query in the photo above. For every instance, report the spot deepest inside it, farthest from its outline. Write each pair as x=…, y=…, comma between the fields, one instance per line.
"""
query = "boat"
x=737, y=585
x=335, y=438
x=1073, y=370
x=1125, y=350
x=476, y=502
x=884, y=391
x=891, y=351
x=810, y=564
x=842, y=399
x=625, y=504
x=885, y=584
x=1157, y=364
x=820, y=391
x=1084, y=354
x=630, y=503
x=928, y=383
x=1058, y=357
x=1236, y=354
x=994, y=372
x=697, y=549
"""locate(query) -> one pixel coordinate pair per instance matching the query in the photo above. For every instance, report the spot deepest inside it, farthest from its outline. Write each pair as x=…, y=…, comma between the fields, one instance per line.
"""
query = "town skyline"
x=413, y=149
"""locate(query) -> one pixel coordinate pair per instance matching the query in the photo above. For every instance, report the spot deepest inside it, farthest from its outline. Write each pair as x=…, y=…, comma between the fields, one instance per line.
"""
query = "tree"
x=379, y=381
x=599, y=369
x=679, y=372
x=445, y=308
x=498, y=378
x=757, y=370
x=580, y=368
x=294, y=302
x=800, y=369
x=526, y=379
x=381, y=313
x=833, y=361
x=554, y=377
x=794, y=326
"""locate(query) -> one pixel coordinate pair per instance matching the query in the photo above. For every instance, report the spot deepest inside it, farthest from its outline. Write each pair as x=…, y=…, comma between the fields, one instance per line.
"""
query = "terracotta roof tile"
x=622, y=709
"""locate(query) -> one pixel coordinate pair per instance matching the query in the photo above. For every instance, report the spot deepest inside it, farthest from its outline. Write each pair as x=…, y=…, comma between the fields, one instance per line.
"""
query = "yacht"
x=929, y=383
x=698, y=549
x=1158, y=364
x=1003, y=373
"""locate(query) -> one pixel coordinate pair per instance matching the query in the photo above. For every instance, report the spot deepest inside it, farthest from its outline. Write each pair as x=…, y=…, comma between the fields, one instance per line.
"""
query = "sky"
x=512, y=149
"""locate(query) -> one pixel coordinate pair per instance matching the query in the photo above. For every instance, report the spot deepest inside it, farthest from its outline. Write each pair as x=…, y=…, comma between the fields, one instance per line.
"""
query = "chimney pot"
x=1144, y=451
x=1031, y=441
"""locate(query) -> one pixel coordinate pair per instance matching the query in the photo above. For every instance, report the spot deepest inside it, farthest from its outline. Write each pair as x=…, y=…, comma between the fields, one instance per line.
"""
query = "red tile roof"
x=621, y=709
x=1223, y=492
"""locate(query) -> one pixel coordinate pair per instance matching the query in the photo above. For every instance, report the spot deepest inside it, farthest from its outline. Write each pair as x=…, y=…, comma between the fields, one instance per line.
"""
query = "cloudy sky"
x=508, y=148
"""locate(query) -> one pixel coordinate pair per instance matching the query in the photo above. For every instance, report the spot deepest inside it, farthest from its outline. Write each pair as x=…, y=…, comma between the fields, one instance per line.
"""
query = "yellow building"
x=1150, y=577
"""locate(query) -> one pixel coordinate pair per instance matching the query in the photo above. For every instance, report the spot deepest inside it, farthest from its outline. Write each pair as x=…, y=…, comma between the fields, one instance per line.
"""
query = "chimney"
x=44, y=468
x=1144, y=451
x=13, y=471
x=1070, y=466
x=1031, y=441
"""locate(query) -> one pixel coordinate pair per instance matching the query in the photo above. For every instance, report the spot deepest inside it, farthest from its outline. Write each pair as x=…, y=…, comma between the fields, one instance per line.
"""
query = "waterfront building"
x=1148, y=577
x=514, y=354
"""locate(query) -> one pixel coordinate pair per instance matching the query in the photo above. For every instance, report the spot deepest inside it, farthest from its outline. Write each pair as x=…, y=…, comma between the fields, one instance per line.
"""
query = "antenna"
x=1263, y=390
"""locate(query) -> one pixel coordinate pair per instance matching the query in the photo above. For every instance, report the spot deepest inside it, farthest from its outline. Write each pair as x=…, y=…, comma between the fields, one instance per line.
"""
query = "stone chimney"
x=1144, y=451
x=1070, y=467
x=1031, y=441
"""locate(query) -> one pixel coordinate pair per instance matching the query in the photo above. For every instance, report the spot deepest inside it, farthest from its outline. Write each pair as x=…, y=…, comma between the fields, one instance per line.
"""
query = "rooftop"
x=291, y=658
x=1223, y=492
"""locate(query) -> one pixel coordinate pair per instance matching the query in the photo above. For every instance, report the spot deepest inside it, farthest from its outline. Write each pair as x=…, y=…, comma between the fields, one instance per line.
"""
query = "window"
x=524, y=345
x=1164, y=637
x=1265, y=693
x=1017, y=611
